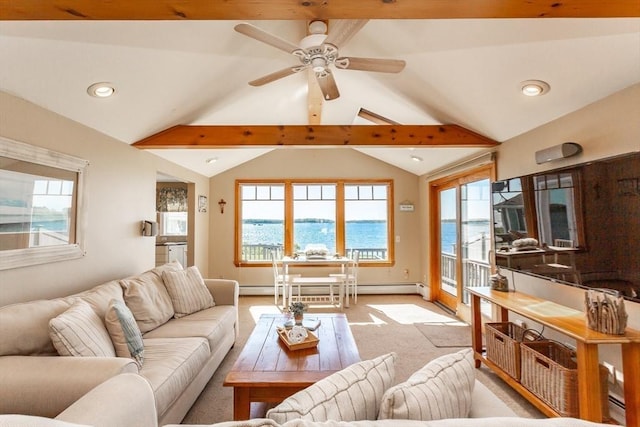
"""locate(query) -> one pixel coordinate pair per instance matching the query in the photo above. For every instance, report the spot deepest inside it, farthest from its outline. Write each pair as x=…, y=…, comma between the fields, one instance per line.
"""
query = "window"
x=173, y=223
x=261, y=228
x=314, y=216
x=41, y=215
x=287, y=216
x=366, y=220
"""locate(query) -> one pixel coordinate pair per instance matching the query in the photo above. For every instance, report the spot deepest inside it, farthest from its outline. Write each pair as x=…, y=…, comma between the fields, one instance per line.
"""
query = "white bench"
x=307, y=281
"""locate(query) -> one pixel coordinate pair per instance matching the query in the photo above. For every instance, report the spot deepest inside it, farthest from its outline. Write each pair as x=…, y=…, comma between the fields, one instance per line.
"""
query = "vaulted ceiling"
x=181, y=73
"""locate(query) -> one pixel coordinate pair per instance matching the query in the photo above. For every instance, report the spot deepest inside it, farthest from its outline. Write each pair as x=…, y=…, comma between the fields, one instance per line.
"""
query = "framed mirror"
x=42, y=206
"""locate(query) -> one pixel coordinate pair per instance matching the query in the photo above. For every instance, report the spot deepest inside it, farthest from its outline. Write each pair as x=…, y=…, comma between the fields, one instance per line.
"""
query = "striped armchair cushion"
x=187, y=291
x=80, y=332
x=351, y=394
x=441, y=389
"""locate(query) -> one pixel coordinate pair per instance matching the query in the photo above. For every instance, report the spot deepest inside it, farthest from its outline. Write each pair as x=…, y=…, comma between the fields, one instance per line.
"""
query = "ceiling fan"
x=318, y=51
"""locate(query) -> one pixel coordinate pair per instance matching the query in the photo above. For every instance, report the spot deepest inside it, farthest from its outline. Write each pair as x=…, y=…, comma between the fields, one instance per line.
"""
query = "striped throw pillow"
x=80, y=332
x=351, y=394
x=124, y=331
x=441, y=389
x=187, y=291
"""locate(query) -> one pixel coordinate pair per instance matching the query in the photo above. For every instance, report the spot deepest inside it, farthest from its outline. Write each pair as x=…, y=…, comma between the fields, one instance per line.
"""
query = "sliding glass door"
x=460, y=235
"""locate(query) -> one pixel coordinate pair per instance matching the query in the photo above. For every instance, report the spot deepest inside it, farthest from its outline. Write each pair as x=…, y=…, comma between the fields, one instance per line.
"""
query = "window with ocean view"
x=262, y=224
x=287, y=216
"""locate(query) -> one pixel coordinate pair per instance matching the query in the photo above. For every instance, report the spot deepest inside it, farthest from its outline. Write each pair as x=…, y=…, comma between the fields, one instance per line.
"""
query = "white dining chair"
x=280, y=280
x=350, y=276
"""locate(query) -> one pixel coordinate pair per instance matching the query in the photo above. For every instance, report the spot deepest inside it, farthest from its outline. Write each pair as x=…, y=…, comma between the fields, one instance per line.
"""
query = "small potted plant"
x=297, y=309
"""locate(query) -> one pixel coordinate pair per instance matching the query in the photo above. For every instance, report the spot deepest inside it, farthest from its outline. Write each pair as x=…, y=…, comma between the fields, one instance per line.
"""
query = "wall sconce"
x=149, y=228
x=221, y=203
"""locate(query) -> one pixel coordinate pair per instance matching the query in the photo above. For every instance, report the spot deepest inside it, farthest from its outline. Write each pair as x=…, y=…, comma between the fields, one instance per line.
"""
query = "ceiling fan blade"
x=341, y=30
x=371, y=64
x=327, y=85
x=277, y=75
x=268, y=38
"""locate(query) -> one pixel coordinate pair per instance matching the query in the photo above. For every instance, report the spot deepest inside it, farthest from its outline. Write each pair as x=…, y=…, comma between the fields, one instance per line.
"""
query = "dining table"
x=316, y=261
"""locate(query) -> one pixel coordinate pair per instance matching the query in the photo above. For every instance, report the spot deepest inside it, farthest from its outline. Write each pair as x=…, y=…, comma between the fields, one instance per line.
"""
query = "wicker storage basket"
x=503, y=346
x=549, y=371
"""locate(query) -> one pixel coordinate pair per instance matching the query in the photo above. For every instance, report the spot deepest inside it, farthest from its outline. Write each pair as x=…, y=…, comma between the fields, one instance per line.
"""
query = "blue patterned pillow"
x=124, y=331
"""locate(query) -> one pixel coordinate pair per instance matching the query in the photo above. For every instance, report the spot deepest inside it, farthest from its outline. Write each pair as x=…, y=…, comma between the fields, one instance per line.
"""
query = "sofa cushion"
x=213, y=324
x=80, y=332
x=100, y=296
x=14, y=420
x=124, y=331
x=24, y=327
x=351, y=394
x=453, y=422
x=147, y=297
x=441, y=389
x=170, y=365
x=187, y=291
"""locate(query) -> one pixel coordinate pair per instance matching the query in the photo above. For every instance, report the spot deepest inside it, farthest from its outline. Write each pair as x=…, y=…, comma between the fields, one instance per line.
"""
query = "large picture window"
x=290, y=215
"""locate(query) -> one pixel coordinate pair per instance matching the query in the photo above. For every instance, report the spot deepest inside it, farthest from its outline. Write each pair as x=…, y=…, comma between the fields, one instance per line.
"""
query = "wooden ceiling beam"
x=312, y=9
x=196, y=136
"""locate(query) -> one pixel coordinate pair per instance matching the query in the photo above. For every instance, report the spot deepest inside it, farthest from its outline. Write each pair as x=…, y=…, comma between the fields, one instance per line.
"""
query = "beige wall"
x=608, y=127
x=315, y=163
x=121, y=183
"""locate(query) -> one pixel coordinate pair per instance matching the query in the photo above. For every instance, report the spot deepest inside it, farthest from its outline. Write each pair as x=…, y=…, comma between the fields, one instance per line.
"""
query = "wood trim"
x=200, y=136
x=452, y=181
x=295, y=9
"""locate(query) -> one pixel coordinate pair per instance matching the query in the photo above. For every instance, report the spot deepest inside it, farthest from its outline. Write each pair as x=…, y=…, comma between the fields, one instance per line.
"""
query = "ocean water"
x=472, y=240
x=359, y=235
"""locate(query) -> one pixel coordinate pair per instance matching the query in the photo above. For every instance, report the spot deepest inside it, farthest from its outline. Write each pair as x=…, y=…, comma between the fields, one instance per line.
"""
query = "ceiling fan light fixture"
x=318, y=64
x=101, y=90
x=317, y=27
x=534, y=87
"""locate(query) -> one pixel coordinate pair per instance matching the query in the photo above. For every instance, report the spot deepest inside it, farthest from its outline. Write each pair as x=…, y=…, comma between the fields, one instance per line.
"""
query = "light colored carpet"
x=380, y=324
x=446, y=336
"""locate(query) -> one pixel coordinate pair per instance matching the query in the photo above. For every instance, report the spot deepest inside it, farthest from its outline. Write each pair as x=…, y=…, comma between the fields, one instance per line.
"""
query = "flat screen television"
x=578, y=225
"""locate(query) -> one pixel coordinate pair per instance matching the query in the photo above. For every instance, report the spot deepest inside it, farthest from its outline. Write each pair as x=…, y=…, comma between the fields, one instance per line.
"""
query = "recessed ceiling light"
x=212, y=160
x=416, y=158
x=534, y=87
x=101, y=90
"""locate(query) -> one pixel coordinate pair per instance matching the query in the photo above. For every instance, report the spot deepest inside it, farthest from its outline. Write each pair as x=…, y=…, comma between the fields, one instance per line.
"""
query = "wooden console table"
x=572, y=323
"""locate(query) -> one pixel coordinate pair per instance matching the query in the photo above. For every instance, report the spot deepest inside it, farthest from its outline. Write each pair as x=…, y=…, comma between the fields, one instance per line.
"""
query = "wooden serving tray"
x=310, y=342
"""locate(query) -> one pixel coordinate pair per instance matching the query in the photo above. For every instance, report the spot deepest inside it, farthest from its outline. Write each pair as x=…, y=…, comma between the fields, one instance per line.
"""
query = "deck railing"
x=474, y=273
x=263, y=253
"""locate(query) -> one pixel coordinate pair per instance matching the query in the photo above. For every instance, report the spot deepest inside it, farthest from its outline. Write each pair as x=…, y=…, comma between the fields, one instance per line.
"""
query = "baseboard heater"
x=386, y=289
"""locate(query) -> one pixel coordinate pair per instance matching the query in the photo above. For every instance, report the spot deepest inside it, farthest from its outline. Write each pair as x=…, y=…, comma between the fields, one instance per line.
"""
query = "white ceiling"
x=464, y=72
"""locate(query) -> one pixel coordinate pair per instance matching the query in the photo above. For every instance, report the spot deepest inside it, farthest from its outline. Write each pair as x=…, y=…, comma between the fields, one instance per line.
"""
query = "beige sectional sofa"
x=180, y=354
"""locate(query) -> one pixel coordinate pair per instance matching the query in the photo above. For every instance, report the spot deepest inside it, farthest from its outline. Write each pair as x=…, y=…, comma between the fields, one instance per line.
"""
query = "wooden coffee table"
x=267, y=371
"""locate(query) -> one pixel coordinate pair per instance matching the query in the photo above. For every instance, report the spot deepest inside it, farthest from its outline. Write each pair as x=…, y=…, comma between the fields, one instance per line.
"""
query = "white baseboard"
x=400, y=288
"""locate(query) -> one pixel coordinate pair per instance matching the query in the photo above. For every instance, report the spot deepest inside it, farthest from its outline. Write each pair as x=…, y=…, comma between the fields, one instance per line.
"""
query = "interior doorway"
x=175, y=214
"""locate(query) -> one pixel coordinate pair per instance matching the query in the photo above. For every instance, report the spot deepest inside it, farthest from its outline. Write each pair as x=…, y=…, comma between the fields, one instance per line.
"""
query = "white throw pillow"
x=124, y=331
x=351, y=394
x=441, y=389
x=187, y=291
x=147, y=297
x=80, y=332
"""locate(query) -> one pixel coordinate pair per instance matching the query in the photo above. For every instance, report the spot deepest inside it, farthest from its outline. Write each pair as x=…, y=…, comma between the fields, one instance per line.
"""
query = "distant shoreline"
x=309, y=221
